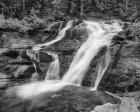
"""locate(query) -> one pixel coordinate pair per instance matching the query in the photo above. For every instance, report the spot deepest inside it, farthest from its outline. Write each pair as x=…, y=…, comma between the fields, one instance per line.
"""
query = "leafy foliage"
x=126, y=10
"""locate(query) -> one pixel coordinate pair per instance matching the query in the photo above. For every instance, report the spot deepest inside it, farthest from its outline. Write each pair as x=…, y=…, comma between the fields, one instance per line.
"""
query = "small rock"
x=108, y=107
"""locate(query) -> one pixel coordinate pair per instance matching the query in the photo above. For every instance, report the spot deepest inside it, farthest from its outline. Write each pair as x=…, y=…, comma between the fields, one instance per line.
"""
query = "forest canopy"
x=126, y=10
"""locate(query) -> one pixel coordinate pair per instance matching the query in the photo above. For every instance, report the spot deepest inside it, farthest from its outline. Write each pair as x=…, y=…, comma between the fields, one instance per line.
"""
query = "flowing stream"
x=100, y=34
x=53, y=70
x=61, y=35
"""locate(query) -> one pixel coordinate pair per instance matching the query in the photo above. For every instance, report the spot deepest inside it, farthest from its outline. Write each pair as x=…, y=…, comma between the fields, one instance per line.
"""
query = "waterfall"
x=60, y=36
x=52, y=80
x=103, y=65
x=99, y=36
x=53, y=70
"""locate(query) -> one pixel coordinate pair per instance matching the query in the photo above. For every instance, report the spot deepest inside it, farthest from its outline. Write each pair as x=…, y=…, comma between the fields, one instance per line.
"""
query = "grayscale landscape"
x=69, y=56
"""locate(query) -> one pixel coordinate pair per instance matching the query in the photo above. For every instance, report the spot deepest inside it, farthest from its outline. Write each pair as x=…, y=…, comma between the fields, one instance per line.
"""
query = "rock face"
x=22, y=64
x=124, y=75
x=3, y=80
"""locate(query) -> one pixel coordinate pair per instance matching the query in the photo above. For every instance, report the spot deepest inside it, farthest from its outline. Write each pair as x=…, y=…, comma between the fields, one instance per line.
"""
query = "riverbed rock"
x=4, y=80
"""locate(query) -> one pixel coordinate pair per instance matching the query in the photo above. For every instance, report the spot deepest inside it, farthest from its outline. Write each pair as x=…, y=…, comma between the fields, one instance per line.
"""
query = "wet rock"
x=25, y=72
x=20, y=72
x=34, y=77
x=124, y=74
x=20, y=62
x=10, y=53
x=4, y=80
x=44, y=57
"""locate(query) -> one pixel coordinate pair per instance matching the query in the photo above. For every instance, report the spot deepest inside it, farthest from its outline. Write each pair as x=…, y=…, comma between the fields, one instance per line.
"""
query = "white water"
x=103, y=65
x=99, y=35
x=52, y=81
x=60, y=36
x=54, y=68
x=33, y=89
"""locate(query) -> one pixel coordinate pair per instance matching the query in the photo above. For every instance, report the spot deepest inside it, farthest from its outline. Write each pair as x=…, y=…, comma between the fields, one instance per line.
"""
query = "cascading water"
x=60, y=36
x=33, y=89
x=53, y=70
x=99, y=36
x=103, y=65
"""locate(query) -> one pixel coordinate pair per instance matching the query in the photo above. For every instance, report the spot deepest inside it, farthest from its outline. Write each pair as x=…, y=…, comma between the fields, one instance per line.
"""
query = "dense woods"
x=126, y=10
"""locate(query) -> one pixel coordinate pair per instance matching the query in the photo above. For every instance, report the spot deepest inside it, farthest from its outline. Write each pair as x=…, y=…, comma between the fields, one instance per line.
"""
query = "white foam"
x=54, y=68
x=99, y=35
x=37, y=88
x=61, y=35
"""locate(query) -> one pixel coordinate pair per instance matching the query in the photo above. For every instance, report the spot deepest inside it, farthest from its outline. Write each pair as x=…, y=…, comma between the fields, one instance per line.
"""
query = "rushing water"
x=103, y=65
x=53, y=70
x=61, y=35
x=52, y=80
x=100, y=35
